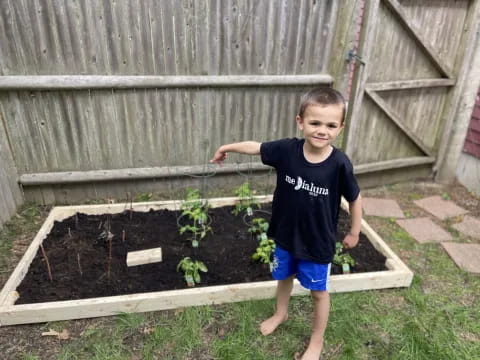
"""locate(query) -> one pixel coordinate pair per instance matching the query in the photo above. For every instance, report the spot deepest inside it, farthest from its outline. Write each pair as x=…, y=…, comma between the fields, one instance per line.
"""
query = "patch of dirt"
x=78, y=253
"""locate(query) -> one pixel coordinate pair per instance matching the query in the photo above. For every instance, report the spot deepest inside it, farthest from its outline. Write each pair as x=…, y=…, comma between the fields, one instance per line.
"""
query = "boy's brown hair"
x=322, y=96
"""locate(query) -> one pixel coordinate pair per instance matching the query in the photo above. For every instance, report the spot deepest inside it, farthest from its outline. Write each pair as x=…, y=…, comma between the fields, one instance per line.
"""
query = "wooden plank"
x=142, y=257
x=410, y=84
x=398, y=276
x=164, y=300
x=73, y=177
x=416, y=33
x=393, y=164
x=64, y=82
x=397, y=121
x=132, y=174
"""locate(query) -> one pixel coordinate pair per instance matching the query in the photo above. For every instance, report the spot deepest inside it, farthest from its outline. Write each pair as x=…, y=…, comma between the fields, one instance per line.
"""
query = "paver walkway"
x=469, y=226
x=442, y=209
x=423, y=230
x=382, y=207
x=466, y=256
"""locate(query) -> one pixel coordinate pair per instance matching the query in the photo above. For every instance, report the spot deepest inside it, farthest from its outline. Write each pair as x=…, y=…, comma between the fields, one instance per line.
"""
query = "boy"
x=312, y=175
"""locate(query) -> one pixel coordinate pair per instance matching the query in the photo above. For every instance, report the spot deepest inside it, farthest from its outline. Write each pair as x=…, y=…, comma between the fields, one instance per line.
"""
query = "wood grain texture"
x=165, y=38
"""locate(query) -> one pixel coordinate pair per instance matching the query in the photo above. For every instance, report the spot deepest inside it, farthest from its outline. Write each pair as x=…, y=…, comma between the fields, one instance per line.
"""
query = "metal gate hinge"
x=352, y=55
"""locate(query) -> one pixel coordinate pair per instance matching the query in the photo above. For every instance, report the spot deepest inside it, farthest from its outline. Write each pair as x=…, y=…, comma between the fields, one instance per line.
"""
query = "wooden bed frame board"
x=397, y=275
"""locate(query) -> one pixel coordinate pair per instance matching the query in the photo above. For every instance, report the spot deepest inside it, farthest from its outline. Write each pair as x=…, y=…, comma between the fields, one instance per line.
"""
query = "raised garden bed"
x=85, y=291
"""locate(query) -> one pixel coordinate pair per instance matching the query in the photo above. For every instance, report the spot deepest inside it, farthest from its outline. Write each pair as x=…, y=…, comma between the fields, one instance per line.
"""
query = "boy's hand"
x=219, y=157
x=350, y=241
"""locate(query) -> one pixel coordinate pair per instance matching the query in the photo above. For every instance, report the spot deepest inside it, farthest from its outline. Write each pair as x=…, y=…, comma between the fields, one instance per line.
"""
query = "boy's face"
x=321, y=125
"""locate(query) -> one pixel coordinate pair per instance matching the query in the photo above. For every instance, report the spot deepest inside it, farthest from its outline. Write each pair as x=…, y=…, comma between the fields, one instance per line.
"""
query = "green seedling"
x=264, y=251
x=196, y=212
x=445, y=196
x=192, y=200
x=198, y=232
x=246, y=200
x=191, y=270
x=258, y=226
x=345, y=260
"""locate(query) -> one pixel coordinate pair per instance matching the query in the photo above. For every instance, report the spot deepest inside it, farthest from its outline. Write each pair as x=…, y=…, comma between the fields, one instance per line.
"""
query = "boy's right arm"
x=244, y=147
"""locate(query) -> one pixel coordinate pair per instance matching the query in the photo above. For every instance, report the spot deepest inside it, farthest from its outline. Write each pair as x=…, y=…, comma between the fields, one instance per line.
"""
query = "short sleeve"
x=272, y=152
x=349, y=185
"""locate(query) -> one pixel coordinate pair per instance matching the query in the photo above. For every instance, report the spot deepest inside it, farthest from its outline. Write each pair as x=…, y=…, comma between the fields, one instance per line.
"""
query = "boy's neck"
x=316, y=156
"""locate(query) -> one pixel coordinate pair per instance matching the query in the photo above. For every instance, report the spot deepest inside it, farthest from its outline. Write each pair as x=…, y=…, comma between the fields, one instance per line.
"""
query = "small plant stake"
x=123, y=236
x=47, y=262
x=109, y=238
x=79, y=266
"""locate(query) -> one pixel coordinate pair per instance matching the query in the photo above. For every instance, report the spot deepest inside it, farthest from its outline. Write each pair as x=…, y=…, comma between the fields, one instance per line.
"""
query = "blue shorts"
x=312, y=276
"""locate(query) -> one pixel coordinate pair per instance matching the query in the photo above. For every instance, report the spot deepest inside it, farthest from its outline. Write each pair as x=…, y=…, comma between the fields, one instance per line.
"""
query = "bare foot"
x=269, y=325
x=312, y=353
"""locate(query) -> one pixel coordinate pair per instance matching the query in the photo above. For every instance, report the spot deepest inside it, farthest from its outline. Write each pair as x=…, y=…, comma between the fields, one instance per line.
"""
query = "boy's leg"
x=284, y=289
x=321, y=302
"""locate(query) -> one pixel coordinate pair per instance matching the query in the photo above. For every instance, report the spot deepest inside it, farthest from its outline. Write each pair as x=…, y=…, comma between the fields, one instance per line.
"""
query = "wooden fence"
x=417, y=55
x=10, y=194
x=94, y=95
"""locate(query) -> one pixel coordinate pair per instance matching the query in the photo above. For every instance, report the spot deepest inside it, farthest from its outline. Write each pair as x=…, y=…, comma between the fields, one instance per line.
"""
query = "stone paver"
x=440, y=208
x=470, y=226
x=466, y=256
x=382, y=207
x=424, y=230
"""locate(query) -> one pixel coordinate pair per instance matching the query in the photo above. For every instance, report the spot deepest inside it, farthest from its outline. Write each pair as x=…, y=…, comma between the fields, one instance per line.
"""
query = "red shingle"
x=476, y=111
x=473, y=136
x=472, y=141
x=474, y=124
x=472, y=148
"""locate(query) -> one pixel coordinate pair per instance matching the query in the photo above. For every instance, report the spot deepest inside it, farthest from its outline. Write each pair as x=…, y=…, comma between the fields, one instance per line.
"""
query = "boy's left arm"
x=355, y=207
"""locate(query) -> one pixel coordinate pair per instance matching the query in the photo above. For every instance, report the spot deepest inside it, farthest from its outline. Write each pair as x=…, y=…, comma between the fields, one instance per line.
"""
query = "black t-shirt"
x=307, y=197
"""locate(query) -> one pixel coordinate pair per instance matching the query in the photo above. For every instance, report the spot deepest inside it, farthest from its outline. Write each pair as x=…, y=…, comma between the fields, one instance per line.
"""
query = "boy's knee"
x=318, y=295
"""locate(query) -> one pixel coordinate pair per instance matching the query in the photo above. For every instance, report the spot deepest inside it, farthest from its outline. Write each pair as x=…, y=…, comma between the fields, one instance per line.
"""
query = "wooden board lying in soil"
x=83, y=287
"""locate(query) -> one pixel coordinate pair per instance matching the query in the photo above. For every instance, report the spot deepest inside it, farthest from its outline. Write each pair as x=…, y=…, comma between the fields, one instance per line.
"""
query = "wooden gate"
x=413, y=54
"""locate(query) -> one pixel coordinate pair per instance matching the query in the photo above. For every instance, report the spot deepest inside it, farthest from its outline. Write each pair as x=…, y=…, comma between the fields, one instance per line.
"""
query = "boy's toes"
x=269, y=325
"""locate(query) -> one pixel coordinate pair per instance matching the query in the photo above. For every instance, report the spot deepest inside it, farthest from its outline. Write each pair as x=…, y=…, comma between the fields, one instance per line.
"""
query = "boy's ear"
x=299, y=121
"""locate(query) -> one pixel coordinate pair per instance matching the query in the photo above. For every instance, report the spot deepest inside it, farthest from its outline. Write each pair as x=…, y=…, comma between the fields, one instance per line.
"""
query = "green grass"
x=24, y=224
x=437, y=317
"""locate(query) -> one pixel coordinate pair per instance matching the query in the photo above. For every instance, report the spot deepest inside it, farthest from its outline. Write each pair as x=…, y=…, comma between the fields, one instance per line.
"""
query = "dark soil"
x=78, y=255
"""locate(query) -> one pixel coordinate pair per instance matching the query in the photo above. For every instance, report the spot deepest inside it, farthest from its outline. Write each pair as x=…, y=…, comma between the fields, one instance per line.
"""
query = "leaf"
x=196, y=277
x=64, y=335
x=201, y=266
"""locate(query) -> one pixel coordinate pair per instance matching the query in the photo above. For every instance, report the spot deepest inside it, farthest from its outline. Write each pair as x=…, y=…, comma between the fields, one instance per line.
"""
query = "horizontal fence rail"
x=69, y=177
x=77, y=82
